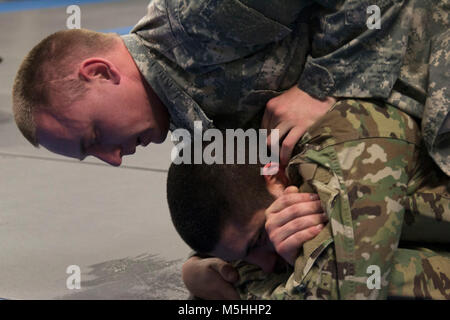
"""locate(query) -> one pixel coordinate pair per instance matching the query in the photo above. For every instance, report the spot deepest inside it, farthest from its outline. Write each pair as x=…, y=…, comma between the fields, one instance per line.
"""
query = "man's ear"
x=276, y=180
x=98, y=68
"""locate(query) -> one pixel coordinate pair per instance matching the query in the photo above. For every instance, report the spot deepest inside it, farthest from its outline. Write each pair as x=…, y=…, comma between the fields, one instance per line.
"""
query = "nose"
x=263, y=259
x=111, y=156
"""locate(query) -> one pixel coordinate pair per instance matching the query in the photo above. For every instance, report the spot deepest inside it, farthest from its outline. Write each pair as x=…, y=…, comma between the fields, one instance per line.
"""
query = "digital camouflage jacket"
x=220, y=61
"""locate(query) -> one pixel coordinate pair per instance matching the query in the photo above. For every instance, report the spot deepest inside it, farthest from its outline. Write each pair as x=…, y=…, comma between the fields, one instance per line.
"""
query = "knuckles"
x=276, y=107
x=272, y=104
x=269, y=226
x=274, y=236
x=287, y=251
x=287, y=143
x=299, y=223
x=283, y=249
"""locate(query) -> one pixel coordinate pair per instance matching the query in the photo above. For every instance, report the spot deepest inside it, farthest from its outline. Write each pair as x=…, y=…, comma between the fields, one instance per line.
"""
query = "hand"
x=293, y=112
x=210, y=278
x=293, y=219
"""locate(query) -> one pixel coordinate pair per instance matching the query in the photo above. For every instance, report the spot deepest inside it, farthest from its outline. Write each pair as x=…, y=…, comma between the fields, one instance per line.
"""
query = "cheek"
x=129, y=117
x=137, y=102
x=139, y=115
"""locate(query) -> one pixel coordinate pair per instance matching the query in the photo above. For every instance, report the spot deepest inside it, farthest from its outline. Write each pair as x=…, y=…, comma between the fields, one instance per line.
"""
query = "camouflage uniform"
x=367, y=164
x=220, y=61
x=417, y=274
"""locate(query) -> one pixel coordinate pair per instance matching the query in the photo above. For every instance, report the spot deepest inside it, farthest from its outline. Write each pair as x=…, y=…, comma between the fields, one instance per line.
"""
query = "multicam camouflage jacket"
x=417, y=273
x=220, y=61
x=367, y=164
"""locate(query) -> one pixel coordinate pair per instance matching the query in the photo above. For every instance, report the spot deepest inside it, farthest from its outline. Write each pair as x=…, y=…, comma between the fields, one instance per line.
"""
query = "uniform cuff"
x=317, y=81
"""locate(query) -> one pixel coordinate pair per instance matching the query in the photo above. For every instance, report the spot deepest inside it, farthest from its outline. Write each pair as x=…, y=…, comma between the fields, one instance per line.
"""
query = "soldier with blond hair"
x=81, y=92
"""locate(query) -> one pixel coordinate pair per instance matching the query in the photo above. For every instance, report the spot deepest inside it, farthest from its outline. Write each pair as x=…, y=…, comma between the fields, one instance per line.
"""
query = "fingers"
x=223, y=288
x=290, y=189
x=210, y=278
x=289, y=143
x=229, y=273
x=288, y=249
x=279, y=233
x=299, y=210
x=228, y=292
x=292, y=220
x=267, y=118
x=271, y=120
x=225, y=269
x=278, y=132
x=286, y=200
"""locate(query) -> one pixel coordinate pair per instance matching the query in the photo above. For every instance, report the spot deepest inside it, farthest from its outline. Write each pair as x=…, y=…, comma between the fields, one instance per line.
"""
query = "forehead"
x=61, y=134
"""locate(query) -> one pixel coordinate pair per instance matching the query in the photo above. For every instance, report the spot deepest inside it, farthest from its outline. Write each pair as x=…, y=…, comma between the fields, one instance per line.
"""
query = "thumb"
x=229, y=273
x=225, y=269
x=290, y=189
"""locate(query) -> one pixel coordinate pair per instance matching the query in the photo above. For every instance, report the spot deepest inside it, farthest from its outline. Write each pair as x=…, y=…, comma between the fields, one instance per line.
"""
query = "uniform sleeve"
x=220, y=31
x=364, y=156
x=436, y=118
x=350, y=56
x=417, y=273
x=198, y=35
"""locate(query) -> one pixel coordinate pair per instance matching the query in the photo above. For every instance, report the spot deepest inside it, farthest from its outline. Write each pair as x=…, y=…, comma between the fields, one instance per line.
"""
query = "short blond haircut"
x=46, y=70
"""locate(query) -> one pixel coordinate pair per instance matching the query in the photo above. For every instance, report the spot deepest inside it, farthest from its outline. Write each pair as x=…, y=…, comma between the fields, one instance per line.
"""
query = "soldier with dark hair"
x=193, y=190
x=366, y=162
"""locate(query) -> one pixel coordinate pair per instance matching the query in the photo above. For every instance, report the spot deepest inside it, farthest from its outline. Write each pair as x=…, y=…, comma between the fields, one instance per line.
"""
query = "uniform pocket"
x=237, y=24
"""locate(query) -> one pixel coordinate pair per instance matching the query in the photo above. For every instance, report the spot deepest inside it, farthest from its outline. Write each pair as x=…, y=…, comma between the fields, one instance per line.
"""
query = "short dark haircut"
x=203, y=198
